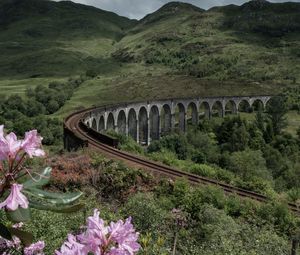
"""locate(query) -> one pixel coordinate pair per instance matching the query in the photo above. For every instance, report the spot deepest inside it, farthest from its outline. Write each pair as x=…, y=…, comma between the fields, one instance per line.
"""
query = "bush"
x=146, y=213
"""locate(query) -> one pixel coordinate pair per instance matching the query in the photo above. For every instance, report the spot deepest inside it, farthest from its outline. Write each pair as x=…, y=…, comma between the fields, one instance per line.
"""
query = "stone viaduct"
x=148, y=121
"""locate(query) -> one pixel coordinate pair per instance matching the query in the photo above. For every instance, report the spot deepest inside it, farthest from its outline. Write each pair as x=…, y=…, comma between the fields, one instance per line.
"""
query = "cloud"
x=136, y=9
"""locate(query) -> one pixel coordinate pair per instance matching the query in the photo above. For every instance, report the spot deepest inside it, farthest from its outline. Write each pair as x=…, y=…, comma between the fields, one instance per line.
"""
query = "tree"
x=276, y=111
x=248, y=164
x=260, y=119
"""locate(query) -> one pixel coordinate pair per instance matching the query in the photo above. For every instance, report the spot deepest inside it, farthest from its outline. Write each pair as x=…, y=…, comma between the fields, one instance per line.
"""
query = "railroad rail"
x=73, y=125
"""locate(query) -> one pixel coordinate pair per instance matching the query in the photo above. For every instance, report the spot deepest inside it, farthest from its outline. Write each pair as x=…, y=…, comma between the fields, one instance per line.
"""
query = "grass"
x=18, y=86
x=293, y=119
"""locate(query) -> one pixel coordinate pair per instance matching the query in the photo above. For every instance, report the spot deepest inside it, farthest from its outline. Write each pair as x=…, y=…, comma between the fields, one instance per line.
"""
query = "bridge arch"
x=166, y=119
x=244, y=106
x=132, y=124
x=101, y=125
x=154, y=123
x=257, y=105
x=192, y=113
x=143, y=126
x=230, y=107
x=94, y=124
x=217, y=109
x=121, y=122
x=110, y=122
x=204, y=110
x=180, y=117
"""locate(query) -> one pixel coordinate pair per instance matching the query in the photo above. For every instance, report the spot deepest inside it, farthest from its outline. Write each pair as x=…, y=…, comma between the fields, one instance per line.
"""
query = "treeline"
x=32, y=112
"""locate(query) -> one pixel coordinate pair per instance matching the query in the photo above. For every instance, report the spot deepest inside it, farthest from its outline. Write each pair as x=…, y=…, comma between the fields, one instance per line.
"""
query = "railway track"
x=72, y=123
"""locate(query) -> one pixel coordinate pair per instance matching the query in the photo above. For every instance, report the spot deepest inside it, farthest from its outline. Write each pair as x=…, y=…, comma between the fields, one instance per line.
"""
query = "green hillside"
x=45, y=38
x=250, y=46
x=258, y=41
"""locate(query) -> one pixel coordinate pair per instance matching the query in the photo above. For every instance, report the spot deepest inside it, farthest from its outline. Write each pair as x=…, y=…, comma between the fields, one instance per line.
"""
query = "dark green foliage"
x=55, y=95
x=249, y=164
x=276, y=111
x=21, y=115
x=147, y=213
x=174, y=143
x=232, y=134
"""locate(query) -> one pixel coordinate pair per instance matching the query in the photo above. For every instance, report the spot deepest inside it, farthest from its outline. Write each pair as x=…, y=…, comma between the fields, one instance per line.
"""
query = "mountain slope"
x=257, y=41
x=44, y=38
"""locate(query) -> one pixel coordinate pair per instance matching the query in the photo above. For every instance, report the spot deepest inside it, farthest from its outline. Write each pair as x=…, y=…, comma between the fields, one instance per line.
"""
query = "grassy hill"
x=253, y=48
x=45, y=38
x=258, y=41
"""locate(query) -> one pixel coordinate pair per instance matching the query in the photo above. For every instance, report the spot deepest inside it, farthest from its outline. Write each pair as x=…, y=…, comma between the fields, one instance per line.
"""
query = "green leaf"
x=25, y=237
x=54, y=198
x=53, y=208
x=46, y=173
x=19, y=215
x=4, y=232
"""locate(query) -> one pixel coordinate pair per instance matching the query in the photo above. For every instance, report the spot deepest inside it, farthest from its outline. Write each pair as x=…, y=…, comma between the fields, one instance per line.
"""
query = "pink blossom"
x=15, y=198
x=95, y=235
x=32, y=144
x=71, y=247
x=35, y=248
x=118, y=238
x=125, y=236
x=9, y=145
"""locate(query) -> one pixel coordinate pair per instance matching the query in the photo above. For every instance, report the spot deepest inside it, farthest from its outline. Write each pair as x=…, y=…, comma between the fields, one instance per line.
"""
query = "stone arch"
x=110, y=122
x=154, y=123
x=143, y=126
x=89, y=123
x=180, y=117
x=257, y=105
x=166, y=119
x=204, y=110
x=94, y=124
x=101, y=126
x=217, y=109
x=132, y=124
x=244, y=106
x=230, y=107
x=121, y=122
x=192, y=113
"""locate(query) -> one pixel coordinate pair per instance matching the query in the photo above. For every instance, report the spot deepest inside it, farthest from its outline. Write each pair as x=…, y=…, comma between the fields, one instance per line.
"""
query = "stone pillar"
x=173, y=122
x=126, y=128
x=210, y=112
x=148, y=131
x=105, y=121
x=223, y=111
x=185, y=122
x=159, y=127
x=137, y=131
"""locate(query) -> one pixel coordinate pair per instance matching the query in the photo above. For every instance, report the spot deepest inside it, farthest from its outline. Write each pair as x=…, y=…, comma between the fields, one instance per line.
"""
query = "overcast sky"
x=136, y=9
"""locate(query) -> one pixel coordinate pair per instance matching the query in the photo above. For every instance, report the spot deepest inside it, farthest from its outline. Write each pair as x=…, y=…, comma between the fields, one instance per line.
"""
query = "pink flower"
x=9, y=145
x=71, y=247
x=32, y=144
x=15, y=198
x=35, y=248
x=95, y=235
x=125, y=236
x=119, y=238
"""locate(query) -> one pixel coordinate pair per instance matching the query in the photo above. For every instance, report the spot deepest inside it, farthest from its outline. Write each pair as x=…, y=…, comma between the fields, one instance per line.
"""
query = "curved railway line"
x=73, y=124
